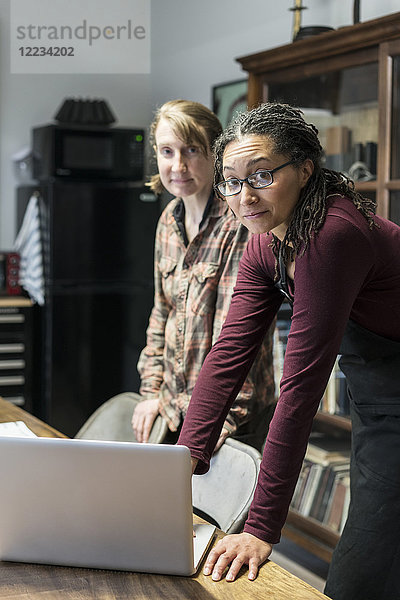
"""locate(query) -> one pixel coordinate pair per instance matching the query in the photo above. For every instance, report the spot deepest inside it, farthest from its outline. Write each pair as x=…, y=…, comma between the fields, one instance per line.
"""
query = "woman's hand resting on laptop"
x=236, y=550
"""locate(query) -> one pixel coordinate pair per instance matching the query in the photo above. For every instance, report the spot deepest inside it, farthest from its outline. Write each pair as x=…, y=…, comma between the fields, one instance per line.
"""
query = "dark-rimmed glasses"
x=258, y=180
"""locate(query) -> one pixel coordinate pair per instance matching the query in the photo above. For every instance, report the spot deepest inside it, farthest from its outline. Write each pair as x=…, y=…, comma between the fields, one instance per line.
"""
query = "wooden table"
x=41, y=582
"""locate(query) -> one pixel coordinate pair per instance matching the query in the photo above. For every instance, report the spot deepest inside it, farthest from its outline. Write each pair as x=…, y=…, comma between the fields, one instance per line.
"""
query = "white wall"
x=194, y=44
x=28, y=100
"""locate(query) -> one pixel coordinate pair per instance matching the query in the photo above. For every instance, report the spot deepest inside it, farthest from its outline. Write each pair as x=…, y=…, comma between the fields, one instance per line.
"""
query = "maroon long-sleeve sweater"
x=348, y=271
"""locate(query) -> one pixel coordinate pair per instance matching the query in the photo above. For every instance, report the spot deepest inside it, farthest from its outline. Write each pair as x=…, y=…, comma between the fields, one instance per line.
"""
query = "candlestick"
x=356, y=11
x=297, y=8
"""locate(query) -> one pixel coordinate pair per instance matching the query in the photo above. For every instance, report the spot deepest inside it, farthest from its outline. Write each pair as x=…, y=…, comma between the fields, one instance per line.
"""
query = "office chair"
x=224, y=494
x=112, y=421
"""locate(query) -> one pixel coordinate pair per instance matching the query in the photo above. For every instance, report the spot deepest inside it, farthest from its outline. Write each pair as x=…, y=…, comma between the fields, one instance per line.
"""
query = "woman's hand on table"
x=236, y=550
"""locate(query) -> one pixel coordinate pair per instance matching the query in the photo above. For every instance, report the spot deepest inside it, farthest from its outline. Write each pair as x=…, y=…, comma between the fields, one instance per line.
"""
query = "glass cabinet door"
x=394, y=170
x=343, y=105
x=395, y=133
x=394, y=211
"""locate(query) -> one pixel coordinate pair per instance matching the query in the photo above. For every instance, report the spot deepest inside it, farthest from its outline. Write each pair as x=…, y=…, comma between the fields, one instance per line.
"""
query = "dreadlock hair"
x=192, y=122
x=297, y=140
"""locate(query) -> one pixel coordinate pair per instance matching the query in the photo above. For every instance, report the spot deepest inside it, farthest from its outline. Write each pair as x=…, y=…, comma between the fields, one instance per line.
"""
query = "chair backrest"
x=226, y=491
x=113, y=421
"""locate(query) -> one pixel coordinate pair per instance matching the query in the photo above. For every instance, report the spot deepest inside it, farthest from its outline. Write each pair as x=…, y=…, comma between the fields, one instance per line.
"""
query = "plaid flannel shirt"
x=193, y=288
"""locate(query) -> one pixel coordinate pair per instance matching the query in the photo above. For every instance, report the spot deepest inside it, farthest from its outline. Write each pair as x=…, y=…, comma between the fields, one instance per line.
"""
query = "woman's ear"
x=306, y=170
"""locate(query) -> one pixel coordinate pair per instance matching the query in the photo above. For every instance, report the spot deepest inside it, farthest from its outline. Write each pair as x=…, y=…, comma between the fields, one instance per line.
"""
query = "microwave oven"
x=112, y=153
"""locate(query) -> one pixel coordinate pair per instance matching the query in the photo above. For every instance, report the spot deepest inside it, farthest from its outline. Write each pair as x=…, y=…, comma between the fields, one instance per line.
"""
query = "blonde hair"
x=192, y=122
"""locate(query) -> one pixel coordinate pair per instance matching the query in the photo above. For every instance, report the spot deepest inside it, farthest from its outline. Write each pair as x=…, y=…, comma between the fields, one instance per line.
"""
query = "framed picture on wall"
x=228, y=99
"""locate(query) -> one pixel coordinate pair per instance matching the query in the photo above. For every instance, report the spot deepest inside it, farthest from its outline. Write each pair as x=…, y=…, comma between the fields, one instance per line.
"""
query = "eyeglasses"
x=261, y=179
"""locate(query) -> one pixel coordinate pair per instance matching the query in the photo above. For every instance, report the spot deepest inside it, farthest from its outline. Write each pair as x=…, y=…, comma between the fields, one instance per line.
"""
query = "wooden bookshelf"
x=367, y=56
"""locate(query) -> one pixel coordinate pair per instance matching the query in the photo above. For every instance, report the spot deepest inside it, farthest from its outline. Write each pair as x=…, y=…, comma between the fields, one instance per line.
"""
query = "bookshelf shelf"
x=348, y=83
x=366, y=186
x=311, y=535
x=336, y=421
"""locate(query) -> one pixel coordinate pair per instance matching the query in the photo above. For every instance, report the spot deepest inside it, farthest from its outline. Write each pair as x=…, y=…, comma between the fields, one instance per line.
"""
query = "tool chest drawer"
x=16, y=352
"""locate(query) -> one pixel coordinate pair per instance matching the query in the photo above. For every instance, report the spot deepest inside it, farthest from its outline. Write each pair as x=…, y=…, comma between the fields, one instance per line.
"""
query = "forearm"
x=220, y=380
x=151, y=361
x=281, y=464
x=200, y=432
x=258, y=390
x=151, y=369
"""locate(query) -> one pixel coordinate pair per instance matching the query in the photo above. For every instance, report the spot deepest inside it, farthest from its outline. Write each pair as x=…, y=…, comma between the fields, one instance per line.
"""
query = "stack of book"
x=323, y=488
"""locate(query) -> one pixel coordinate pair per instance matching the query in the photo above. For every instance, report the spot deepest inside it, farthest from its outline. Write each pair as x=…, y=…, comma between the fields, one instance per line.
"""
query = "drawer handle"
x=12, y=380
x=12, y=364
x=11, y=348
x=18, y=400
x=12, y=318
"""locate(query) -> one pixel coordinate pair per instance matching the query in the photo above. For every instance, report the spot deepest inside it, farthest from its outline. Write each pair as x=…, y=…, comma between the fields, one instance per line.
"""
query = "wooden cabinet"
x=347, y=82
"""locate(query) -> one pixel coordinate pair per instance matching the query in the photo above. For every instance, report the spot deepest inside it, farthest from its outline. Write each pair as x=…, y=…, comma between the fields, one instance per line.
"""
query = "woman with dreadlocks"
x=317, y=242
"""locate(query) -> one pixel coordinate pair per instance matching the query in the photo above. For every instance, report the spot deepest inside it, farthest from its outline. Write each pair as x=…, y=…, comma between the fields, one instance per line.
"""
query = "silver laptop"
x=105, y=505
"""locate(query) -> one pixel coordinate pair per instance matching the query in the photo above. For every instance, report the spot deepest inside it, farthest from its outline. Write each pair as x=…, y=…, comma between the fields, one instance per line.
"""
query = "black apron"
x=366, y=561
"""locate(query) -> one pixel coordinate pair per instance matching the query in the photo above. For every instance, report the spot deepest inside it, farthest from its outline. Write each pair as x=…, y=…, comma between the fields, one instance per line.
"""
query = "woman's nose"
x=248, y=194
x=179, y=163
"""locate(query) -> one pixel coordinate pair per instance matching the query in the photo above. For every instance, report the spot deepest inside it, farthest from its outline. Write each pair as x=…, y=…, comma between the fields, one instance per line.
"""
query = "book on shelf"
x=310, y=488
x=346, y=504
x=317, y=493
x=300, y=485
x=326, y=448
x=334, y=471
x=336, y=513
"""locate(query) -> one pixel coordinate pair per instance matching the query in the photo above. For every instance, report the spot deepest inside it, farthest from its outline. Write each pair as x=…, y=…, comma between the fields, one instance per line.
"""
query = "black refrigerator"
x=97, y=240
